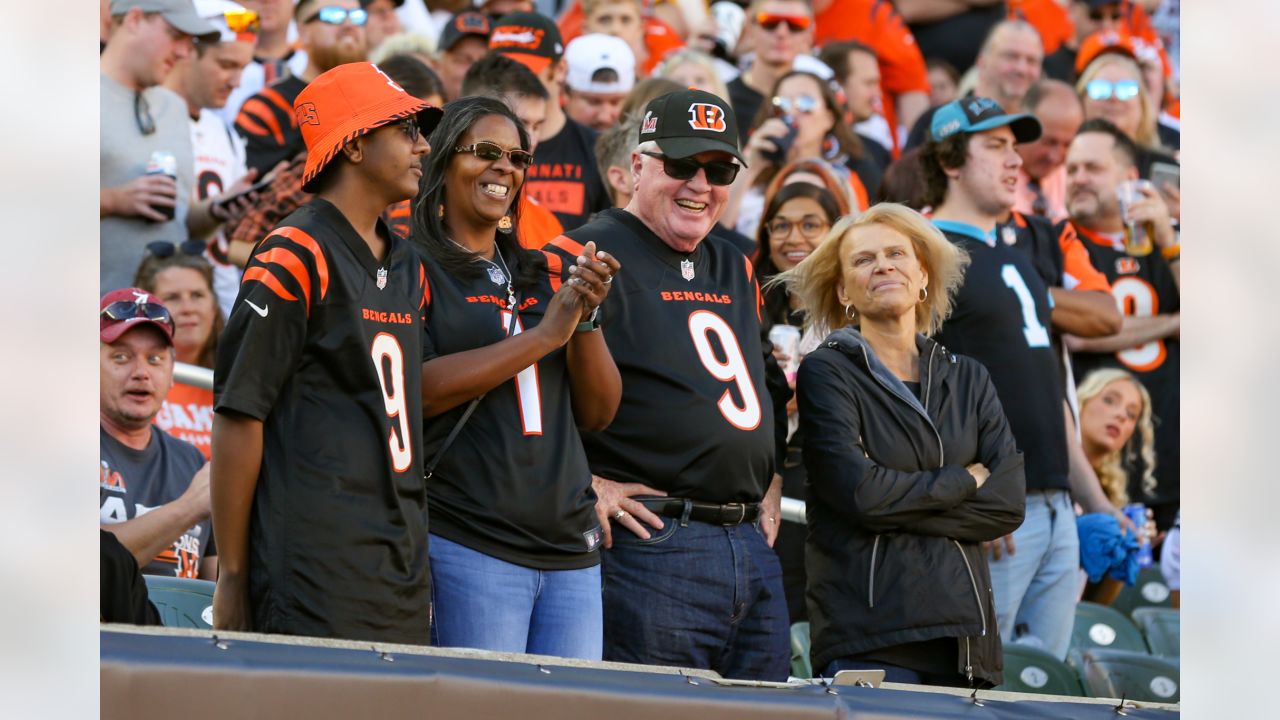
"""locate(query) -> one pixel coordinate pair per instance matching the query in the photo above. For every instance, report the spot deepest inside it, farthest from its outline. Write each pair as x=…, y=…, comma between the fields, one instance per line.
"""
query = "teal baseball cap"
x=979, y=114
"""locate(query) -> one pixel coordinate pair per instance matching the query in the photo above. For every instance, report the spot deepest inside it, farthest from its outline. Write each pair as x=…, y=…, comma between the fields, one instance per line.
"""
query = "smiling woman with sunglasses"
x=513, y=367
x=1112, y=88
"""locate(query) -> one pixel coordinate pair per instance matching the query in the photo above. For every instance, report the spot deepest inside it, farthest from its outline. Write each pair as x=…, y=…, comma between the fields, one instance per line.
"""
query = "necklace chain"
x=506, y=272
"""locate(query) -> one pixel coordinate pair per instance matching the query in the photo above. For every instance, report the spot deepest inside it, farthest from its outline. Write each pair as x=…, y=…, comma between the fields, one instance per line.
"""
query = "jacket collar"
x=852, y=343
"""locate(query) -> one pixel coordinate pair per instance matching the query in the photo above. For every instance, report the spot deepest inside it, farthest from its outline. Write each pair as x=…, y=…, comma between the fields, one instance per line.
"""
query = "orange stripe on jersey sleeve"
x=278, y=100
x=751, y=275
x=265, y=277
x=302, y=238
x=1076, y=262
x=426, y=287
x=554, y=268
x=261, y=112
x=286, y=258
x=250, y=124
x=568, y=244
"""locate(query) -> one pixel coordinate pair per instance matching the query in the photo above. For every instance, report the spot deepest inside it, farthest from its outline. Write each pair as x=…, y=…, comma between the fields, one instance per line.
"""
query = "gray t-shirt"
x=135, y=482
x=124, y=154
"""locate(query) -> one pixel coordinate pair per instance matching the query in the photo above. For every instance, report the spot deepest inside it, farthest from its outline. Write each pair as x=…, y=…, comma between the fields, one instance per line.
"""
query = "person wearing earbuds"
x=911, y=463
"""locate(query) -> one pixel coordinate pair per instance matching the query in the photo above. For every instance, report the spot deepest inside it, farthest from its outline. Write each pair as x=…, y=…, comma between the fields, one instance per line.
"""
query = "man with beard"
x=332, y=33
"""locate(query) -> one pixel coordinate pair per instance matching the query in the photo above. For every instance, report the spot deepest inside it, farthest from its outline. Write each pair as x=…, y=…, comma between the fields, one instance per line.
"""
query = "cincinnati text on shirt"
x=554, y=171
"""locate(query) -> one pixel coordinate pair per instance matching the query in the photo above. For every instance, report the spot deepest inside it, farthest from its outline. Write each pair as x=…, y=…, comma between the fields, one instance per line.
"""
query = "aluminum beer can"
x=787, y=339
x=163, y=162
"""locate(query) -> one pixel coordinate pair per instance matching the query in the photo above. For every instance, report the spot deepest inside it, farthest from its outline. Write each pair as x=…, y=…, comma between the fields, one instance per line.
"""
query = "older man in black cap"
x=683, y=475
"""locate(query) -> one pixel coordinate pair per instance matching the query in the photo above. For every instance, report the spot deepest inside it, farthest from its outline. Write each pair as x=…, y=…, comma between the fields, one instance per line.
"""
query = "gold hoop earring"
x=924, y=294
x=849, y=312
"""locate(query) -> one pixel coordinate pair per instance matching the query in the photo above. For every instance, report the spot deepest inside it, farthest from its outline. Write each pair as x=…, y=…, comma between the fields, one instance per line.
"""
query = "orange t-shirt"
x=187, y=414
x=659, y=37
x=538, y=225
x=1050, y=19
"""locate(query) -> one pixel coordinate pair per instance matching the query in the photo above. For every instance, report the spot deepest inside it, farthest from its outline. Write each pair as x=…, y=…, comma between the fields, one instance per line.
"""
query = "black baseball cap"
x=687, y=122
x=529, y=37
x=980, y=114
x=467, y=23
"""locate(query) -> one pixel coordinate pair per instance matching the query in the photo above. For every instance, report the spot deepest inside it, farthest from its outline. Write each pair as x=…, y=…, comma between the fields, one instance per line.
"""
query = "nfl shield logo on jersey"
x=382, y=278
x=1009, y=235
x=686, y=269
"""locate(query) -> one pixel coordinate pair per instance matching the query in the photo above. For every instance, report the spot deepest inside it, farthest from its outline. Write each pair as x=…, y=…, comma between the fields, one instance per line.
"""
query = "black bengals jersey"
x=1000, y=318
x=696, y=419
x=514, y=484
x=1144, y=287
x=324, y=346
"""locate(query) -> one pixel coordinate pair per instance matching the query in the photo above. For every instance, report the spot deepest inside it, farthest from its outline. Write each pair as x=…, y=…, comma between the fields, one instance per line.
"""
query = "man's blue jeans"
x=1039, y=583
x=697, y=595
x=486, y=603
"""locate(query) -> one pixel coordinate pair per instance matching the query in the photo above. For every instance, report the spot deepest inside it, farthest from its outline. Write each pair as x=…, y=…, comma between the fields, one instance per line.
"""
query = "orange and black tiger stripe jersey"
x=267, y=123
x=324, y=347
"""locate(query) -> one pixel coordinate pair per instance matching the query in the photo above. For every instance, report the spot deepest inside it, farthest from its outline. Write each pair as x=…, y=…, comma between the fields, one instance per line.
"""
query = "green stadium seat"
x=182, y=602
x=1032, y=670
x=1098, y=626
x=1149, y=591
x=1162, y=627
x=1120, y=674
x=800, y=666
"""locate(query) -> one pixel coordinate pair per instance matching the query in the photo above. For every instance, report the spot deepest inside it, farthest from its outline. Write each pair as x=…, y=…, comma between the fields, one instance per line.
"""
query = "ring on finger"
x=620, y=514
x=609, y=280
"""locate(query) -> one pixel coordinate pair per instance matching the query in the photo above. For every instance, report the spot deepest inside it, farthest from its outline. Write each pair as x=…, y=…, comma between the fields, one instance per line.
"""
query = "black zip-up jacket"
x=895, y=522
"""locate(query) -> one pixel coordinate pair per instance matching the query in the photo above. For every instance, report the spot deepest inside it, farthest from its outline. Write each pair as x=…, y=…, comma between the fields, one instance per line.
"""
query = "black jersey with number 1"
x=514, y=483
x=324, y=347
x=1000, y=318
x=696, y=419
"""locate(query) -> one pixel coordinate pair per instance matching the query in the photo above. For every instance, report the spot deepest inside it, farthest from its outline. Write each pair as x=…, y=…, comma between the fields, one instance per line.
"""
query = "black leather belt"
x=730, y=514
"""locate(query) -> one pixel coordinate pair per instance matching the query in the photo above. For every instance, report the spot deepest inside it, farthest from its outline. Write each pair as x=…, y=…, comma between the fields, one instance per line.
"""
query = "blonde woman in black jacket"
x=910, y=460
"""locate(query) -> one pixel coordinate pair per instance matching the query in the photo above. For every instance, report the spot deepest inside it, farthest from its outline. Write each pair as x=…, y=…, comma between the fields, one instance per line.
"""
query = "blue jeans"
x=1038, y=584
x=698, y=596
x=486, y=603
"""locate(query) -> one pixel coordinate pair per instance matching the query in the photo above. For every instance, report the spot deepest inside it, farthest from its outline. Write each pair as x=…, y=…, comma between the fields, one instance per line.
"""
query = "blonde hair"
x=701, y=59
x=1146, y=133
x=816, y=278
x=1110, y=469
x=589, y=6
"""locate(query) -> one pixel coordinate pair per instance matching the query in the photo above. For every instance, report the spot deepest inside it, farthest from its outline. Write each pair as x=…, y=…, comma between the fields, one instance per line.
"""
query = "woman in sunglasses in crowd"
x=1112, y=88
x=183, y=280
x=803, y=121
x=512, y=368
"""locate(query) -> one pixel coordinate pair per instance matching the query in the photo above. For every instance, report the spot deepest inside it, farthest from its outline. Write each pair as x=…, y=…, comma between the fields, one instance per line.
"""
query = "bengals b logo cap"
x=688, y=122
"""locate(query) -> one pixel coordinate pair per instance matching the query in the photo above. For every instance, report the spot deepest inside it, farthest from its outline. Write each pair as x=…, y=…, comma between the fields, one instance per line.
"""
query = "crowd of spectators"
x=994, y=184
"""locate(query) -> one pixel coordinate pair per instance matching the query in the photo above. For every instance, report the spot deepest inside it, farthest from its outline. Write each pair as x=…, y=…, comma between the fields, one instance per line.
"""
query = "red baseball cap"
x=349, y=101
x=125, y=309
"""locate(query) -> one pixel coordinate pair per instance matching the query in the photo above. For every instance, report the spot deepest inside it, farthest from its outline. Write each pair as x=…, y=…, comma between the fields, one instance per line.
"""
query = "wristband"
x=1172, y=252
x=591, y=324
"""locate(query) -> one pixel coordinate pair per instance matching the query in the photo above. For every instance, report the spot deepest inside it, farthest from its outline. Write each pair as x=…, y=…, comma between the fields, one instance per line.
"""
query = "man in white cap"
x=602, y=69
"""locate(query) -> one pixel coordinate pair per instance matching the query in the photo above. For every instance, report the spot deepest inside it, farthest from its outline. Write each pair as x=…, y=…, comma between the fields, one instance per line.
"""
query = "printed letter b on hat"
x=705, y=116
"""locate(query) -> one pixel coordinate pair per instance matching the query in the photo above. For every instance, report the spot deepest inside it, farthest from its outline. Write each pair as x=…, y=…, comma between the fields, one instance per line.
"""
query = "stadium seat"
x=1032, y=670
x=182, y=602
x=1162, y=628
x=800, y=666
x=1098, y=626
x=1119, y=674
x=1149, y=591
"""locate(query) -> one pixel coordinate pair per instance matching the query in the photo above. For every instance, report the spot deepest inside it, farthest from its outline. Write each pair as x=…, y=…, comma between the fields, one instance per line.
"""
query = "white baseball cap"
x=588, y=54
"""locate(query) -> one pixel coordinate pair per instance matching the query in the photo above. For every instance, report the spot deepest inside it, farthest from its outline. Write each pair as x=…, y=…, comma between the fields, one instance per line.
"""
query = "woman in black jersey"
x=513, y=366
x=910, y=461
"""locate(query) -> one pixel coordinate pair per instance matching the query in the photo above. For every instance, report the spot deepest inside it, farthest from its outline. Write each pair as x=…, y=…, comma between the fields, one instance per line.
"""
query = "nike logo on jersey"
x=262, y=311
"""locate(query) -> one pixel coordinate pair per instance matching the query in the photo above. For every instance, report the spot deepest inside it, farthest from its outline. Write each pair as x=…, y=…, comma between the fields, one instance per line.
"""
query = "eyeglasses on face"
x=410, y=127
x=1099, y=89
x=125, y=310
x=334, y=15
x=801, y=104
x=810, y=227
x=492, y=152
x=794, y=23
x=719, y=172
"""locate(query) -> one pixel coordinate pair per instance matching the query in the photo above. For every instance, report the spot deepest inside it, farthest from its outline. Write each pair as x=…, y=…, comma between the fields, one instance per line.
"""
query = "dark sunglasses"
x=1099, y=89
x=142, y=114
x=164, y=248
x=719, y=172
x=125, y=310
x=334, y=15
x=492, y=152
x=794, y=23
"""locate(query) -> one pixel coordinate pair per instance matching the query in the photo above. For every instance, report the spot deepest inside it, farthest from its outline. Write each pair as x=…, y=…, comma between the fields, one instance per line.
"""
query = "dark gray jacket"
x=894, y=520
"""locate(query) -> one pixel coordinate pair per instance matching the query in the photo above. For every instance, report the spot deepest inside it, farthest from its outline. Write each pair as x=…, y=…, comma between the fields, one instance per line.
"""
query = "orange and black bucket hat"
x=349, y=101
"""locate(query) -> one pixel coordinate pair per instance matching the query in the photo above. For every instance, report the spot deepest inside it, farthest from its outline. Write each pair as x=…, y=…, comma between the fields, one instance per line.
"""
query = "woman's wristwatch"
x=592, y=323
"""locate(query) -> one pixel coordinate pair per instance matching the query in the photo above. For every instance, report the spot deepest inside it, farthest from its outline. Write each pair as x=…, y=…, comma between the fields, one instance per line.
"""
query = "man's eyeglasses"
x=492, y=152
x=163, y=248
x=719, y=172
x=794, y=23
x=410, y=127
x=142, y=114
x=801, y=104
x=1100, y=89
x=810, y=227
x=334, y=15
x=125, y=310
